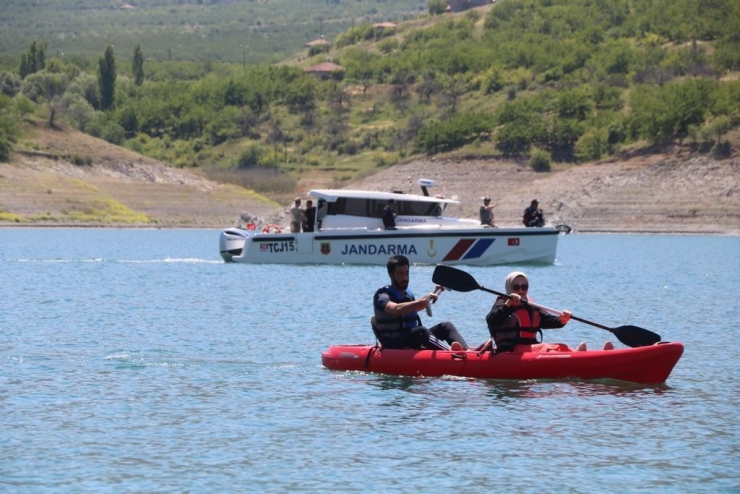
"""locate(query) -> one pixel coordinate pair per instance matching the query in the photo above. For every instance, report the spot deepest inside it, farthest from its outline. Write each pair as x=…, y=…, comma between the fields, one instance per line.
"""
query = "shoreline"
x=666, y=231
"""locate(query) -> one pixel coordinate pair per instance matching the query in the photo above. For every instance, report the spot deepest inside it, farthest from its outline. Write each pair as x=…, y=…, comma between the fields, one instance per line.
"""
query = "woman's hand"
x=513, y=301
x=565, y=317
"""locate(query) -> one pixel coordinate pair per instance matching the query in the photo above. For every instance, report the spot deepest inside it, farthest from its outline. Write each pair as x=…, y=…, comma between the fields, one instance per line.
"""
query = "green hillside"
x=238, y=31
x=537, y=80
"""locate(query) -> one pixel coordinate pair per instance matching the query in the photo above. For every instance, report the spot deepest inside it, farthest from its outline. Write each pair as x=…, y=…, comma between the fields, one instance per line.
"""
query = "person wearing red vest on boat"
x=397, y=322
x=514, y=325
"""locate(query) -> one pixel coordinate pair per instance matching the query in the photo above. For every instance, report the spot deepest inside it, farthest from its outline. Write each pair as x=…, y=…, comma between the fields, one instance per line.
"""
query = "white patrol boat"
x=349, y=229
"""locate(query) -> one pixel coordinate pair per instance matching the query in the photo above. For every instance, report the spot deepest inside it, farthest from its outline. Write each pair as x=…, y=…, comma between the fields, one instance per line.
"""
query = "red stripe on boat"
x=459, y=249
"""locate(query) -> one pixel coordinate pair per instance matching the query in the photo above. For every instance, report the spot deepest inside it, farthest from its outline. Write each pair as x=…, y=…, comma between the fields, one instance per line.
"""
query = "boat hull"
x=469, y=246
x=648, y=365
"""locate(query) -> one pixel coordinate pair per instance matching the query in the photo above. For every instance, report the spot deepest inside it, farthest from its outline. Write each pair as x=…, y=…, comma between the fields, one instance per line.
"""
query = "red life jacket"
x=521, y=327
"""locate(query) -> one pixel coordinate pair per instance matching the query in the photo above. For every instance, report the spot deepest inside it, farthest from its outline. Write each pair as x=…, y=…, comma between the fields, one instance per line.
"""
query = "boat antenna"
x=424, y=183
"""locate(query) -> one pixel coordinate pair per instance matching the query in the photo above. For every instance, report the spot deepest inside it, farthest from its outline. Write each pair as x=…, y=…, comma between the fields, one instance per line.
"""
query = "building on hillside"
x=385, y=25
x=318, y=42
x=461, y=5
x=324, y=70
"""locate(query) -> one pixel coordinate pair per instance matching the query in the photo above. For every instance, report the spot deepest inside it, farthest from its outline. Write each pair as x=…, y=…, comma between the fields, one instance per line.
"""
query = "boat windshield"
x=373, y=208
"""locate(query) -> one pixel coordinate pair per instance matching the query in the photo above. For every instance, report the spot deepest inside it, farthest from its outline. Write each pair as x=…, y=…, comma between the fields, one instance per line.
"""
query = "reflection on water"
x=544, y=389
x=512, y=390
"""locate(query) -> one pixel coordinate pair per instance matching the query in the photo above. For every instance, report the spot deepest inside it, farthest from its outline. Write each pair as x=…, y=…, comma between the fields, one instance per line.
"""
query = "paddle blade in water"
x=634, y=336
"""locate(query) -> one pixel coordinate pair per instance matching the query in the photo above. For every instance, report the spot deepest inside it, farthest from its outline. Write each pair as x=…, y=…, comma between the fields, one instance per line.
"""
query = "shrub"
x=540, y=161
x=592, y=145
x=114, y=133
x=250, y=157
x=81, y=160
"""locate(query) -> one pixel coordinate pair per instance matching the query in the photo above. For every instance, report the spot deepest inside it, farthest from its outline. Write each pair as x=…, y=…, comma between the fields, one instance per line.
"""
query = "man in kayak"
x=514, y=325
x=397, y=322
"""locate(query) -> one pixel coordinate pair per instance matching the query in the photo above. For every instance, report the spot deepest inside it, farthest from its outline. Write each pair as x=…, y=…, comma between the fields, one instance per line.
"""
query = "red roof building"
x=318, y=42
x=324, y=70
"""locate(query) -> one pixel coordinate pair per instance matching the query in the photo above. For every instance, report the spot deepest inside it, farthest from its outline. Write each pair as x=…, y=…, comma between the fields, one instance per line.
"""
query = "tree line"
x=573, y=79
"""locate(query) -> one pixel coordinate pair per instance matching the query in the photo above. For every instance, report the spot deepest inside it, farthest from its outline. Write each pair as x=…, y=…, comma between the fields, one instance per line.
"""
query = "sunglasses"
x=524, y=288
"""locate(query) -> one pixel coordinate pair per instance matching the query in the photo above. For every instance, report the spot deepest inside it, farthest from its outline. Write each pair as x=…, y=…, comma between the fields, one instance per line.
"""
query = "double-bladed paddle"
x=429, y=306
x=461, y=281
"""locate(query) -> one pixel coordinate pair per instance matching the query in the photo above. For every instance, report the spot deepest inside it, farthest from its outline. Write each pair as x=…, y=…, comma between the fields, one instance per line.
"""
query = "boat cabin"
x=340, y=209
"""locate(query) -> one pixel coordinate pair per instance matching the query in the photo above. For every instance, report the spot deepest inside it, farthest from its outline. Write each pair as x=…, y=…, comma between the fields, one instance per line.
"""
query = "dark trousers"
x=420, y=337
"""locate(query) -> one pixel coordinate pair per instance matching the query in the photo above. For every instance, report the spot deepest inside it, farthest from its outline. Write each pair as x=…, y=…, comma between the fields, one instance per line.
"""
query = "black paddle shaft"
x=461, y=281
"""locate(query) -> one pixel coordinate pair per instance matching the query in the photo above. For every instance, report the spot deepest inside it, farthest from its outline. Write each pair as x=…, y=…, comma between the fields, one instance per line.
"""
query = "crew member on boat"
x=310, y=214
x=486, y=213
x=397, y=323
x=389, y=215
x=533, y=215
x=514, y=325
x=296, y=216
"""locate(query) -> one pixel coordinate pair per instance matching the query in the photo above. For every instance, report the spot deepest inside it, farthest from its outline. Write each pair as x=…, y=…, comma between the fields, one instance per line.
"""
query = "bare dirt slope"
x=660, y=193
x=655, y=193
x=113, y=186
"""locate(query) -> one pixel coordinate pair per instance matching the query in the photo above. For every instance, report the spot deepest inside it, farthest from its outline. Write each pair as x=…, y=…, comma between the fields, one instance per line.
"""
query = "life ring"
x=271, y=228
x=251, y=226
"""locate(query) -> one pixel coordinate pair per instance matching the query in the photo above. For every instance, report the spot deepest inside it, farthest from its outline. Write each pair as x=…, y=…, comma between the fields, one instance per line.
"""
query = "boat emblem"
x=513, y=241
x=431, y=252
x=326, y=248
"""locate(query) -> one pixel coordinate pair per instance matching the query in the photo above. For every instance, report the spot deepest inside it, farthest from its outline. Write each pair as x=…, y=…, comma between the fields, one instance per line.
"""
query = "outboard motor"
x=232, y=243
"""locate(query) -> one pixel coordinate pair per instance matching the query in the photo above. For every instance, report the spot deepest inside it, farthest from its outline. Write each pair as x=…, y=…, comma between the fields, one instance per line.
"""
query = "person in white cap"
x=296, y=216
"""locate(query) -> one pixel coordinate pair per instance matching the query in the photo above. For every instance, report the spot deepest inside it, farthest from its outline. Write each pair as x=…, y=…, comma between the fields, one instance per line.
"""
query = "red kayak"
x=647, y=364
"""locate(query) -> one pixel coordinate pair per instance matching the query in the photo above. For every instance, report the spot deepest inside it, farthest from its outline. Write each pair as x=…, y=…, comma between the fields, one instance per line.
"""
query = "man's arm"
x=403, y=308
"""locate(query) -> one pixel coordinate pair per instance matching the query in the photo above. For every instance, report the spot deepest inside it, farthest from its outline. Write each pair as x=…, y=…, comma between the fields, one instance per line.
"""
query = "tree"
x=77, y=109
x=8, y=128
x=23, y=106
x=137, y=65
x=47, y=86
x=436, y=7
x=276, y=136
x=10, y=84
x=86, y=86
x=717, y=128
x=33, y=60
x=428, y=86
x=107, y=79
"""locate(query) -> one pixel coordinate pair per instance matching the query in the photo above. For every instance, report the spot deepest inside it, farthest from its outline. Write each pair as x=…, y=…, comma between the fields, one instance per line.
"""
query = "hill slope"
x=64, y=177
x=658, y=193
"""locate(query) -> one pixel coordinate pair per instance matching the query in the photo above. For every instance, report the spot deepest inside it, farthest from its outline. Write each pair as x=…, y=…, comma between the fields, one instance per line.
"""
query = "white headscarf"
x=510, y=280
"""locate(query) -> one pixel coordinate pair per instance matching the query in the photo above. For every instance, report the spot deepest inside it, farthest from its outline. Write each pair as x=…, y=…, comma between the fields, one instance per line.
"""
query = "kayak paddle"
x=429, y=306
x=461, y=281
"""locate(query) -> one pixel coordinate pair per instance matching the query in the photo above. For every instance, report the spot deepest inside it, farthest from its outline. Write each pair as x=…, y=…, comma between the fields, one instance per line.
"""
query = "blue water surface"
x=137, y=361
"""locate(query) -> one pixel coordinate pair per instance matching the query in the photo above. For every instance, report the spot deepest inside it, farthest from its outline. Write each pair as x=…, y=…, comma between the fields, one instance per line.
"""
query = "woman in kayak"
x=514, y=325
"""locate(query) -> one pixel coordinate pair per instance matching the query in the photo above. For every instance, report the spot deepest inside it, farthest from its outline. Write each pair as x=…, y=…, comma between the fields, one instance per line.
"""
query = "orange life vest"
x=521, y=327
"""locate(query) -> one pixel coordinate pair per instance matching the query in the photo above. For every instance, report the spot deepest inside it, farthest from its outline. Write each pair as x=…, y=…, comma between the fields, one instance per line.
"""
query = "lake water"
x=137, y=361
